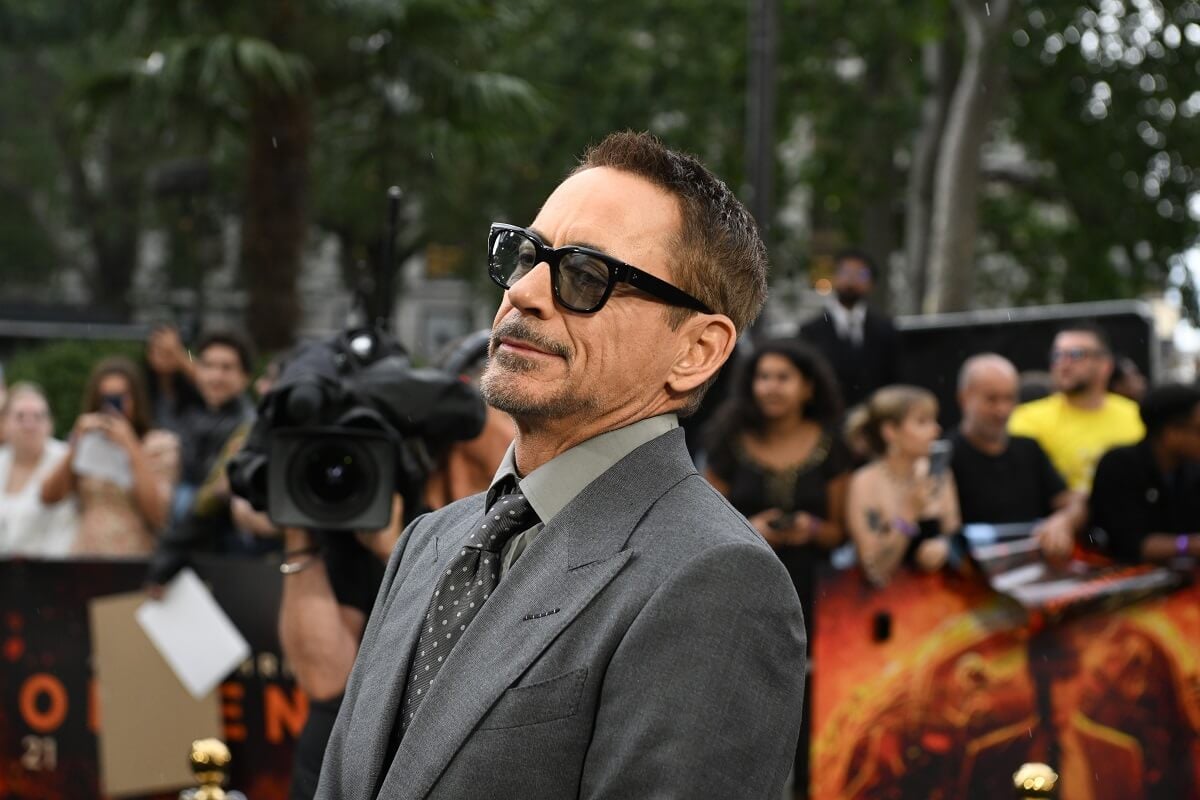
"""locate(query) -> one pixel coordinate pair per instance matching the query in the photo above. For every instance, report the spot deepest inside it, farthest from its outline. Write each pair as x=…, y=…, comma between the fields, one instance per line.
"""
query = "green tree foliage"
x=1107, y=97
x=299, y=113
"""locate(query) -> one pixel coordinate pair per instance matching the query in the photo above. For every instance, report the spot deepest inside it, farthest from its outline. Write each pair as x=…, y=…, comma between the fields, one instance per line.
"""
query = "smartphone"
x=939, y=457
x=115, y=402
x=782, y=522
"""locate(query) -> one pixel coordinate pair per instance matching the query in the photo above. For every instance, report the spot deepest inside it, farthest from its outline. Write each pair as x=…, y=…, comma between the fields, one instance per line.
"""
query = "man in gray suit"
x=600, y=623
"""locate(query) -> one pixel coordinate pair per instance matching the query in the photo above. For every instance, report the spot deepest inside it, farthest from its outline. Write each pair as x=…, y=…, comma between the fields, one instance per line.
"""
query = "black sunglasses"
x=582, y=278
x=1074, y=354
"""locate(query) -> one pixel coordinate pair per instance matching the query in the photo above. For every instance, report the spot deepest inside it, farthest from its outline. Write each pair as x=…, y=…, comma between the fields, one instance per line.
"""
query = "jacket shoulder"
x=693, y=510
x=1125, y=455
x=1032, y=418
x=815, y=326
x=1037, y=408
x=452, y=516
x=880, y=321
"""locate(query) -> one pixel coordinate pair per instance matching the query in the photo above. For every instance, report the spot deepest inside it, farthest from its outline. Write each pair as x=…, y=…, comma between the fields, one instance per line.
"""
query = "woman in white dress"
x=29, y=527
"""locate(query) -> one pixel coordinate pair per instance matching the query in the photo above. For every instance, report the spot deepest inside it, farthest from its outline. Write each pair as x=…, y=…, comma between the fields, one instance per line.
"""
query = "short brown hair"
x=722, y=259
x=234, y=341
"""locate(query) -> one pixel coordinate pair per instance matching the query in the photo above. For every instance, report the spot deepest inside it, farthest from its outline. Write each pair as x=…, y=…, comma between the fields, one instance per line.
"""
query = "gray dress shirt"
x=554, y=484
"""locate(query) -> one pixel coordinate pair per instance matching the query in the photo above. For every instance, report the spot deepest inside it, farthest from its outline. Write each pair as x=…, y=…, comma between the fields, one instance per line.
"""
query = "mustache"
x=516, y=328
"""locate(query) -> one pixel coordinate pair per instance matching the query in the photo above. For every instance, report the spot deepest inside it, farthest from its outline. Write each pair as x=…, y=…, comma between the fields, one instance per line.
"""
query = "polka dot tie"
x=465, y=584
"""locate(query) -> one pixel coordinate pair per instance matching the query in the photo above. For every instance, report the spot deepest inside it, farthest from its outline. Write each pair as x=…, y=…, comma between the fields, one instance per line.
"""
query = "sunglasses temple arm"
x=663, y=290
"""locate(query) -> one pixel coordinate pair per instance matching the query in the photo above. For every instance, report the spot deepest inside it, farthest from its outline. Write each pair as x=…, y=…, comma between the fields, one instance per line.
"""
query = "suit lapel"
x=576, y=555
x=378, y=699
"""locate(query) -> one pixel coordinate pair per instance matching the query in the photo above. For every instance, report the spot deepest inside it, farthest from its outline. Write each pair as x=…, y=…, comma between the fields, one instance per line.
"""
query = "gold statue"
x=210, y=767
x=1035, y=780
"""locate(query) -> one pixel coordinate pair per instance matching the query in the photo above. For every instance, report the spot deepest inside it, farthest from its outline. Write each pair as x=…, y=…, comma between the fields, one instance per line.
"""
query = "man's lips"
x=523, y=348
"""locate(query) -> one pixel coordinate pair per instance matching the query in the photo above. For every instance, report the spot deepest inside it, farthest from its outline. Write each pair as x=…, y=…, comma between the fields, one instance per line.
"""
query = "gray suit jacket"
x=648, y=643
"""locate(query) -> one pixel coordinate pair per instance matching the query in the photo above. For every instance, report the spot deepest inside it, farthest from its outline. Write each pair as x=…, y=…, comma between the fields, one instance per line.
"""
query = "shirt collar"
x=847, y=316
x=553, y=485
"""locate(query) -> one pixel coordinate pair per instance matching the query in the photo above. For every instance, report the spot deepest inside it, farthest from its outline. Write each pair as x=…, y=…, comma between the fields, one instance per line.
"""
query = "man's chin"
x=527, y=407
x=508, y=361
x=505, y=385
x=517, y=394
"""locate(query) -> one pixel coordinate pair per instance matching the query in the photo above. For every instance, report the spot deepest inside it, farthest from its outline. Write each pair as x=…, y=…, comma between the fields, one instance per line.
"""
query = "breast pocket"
x=544, y=701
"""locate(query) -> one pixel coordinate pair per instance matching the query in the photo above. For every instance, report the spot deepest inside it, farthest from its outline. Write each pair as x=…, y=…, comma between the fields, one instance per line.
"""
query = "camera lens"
x=333, y=479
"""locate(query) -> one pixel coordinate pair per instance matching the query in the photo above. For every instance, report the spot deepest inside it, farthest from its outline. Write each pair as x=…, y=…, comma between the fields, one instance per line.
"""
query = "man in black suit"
x=860, y=344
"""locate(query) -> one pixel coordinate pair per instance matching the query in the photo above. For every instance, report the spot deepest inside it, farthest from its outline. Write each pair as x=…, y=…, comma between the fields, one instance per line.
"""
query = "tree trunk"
x=877, y=221
x=938, y=79
x=877, y=146
x=275, y=220
x=109, y=214
x=955, y=219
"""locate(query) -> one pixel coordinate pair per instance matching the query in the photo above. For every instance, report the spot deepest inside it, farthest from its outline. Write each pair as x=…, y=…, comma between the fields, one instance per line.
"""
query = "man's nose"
x=533, y=293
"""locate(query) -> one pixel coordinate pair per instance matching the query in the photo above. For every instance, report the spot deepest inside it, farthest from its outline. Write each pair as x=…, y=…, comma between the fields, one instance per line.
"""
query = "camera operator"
x=343, y=437
x=329, y=585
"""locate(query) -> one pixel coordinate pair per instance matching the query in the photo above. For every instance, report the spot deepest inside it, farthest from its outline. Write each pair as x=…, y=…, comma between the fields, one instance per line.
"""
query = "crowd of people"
x=1080, y=465
x=815, y=441
x=1083, y=463
x=145, y=454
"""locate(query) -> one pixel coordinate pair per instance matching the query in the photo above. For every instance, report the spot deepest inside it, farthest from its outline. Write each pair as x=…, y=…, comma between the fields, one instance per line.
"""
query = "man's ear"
x=708, y=339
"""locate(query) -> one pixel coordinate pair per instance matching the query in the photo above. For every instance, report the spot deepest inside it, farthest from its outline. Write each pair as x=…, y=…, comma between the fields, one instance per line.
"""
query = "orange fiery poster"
x=937, y=687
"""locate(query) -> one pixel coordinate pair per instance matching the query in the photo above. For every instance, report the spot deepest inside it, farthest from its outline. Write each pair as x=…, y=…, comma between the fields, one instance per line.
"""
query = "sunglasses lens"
x=582, y=281
x=511, y=257
x=1073, y=354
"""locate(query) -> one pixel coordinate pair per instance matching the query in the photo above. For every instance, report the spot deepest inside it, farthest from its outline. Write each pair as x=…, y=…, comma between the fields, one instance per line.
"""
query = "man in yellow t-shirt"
x=1081, y=421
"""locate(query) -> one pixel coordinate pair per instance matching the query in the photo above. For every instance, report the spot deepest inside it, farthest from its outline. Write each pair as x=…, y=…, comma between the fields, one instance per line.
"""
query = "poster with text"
x=49, y=709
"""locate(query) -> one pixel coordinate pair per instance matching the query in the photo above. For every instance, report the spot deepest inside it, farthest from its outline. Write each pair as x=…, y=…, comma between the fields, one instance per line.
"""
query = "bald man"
x=1003, y=478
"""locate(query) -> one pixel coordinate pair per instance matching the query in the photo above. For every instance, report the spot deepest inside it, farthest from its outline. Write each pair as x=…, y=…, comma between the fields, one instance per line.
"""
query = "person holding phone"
x=903, y=505
x=774, y=450
x=119, y=470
